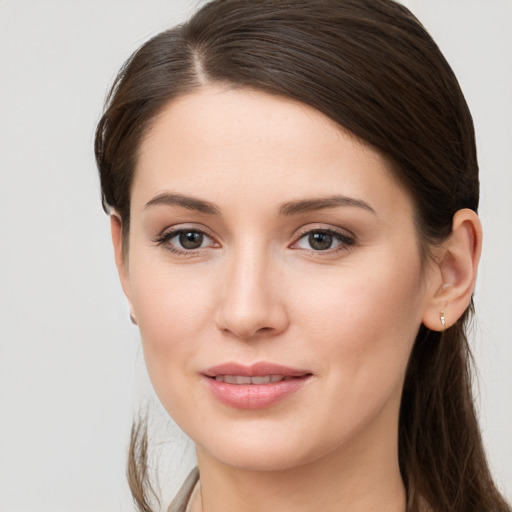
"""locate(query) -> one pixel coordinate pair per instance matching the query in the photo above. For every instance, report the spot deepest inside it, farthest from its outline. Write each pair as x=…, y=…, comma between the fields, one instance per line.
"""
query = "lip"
x=258, y=369
x=255, y=396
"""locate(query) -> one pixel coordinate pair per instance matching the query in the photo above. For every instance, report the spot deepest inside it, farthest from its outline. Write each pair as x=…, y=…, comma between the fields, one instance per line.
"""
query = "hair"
x=371, y=67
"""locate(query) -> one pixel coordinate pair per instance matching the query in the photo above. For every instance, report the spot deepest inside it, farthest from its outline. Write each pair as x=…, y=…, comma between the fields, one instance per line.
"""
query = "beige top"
x=180, y=502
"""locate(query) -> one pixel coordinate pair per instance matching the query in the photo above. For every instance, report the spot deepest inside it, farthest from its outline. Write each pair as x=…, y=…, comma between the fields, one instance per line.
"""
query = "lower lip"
x=255, y=396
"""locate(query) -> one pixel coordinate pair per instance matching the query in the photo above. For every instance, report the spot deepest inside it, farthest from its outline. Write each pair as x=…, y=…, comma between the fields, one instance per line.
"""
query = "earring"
x=442, y=318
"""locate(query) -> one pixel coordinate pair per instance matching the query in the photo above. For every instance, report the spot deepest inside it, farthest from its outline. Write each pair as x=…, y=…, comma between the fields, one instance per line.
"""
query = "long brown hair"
x=370, y=66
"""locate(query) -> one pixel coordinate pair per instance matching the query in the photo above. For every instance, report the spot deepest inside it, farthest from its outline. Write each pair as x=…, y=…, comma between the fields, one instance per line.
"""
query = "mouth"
x=258, y=380
x=254, y=387
x=261, y=370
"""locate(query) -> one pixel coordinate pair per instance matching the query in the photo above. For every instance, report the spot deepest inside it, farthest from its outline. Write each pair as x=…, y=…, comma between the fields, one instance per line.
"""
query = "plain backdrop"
x=70, y=364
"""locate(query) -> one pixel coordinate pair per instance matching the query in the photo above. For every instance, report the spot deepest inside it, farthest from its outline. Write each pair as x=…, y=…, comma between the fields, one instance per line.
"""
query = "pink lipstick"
x=254, y=387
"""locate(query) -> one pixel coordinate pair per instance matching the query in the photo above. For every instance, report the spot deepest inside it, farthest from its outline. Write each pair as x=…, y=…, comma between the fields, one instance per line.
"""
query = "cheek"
x=361, y=327
x=364, y=320
x=173, y=308
x=372, y=294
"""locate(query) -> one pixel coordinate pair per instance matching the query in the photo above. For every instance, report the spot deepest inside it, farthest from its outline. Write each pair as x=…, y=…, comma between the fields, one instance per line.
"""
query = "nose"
x=251, y=304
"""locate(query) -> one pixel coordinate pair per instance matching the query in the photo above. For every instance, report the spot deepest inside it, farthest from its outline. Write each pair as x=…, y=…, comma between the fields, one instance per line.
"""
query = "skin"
x=256, y=290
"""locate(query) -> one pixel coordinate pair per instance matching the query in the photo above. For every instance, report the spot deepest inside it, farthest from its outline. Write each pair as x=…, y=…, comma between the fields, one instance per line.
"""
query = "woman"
x=293, y=190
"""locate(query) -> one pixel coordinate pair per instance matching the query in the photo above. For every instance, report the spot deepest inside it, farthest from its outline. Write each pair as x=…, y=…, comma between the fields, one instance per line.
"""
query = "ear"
x=457, y=259
x=116, y=228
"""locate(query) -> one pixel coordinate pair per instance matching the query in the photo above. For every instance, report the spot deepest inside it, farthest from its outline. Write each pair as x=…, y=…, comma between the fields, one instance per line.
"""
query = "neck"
x=361, y=478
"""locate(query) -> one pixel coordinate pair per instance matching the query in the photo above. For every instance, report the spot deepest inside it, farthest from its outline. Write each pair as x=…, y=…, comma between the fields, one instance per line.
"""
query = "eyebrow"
x=286, y=209
x=308, y=205
x=190, y=203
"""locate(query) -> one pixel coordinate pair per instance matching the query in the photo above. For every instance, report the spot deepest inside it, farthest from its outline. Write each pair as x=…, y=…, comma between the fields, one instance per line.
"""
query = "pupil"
x=191, y=240
x=320, y=241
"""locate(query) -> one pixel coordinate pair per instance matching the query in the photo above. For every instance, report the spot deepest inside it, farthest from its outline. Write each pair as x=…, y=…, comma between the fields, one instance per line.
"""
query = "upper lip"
x=260, y=369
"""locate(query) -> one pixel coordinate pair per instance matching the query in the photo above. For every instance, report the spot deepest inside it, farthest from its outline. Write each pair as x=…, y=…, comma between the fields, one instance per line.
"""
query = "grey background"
x=70, y=364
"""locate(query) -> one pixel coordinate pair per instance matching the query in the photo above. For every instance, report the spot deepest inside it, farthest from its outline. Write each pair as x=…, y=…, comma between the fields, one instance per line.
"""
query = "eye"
x=189, y=239
x=323, y=240
x=185, y=240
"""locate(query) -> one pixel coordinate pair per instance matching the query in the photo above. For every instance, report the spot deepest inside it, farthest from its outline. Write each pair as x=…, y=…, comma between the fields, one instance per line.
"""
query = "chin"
x=279, y=452
x=266, y=458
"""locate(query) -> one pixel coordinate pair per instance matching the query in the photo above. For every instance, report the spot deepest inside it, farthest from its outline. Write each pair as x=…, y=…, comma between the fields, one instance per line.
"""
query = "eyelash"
x=345, y=240
x=167, y=236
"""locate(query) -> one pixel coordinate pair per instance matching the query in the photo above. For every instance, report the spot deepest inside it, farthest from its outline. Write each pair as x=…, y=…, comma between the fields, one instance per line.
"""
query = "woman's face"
x=274, y=271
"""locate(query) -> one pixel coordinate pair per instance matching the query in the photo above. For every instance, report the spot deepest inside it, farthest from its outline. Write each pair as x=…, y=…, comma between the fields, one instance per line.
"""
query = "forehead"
x=229, y=143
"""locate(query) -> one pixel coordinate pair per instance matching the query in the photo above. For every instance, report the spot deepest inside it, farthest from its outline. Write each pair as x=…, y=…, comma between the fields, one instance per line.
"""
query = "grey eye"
x=320, y=241
x=186, y=240
x=190, y=239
